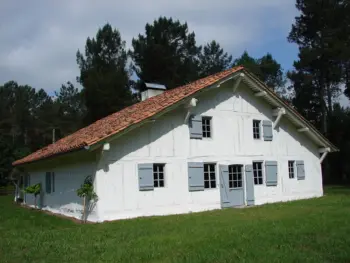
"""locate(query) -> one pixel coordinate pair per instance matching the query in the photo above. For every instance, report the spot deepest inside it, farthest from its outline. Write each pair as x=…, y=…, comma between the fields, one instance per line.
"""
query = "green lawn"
x=316, y=230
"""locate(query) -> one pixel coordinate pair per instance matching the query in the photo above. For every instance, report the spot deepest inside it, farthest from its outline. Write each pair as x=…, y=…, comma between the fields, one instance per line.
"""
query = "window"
x=206, y=127
x=256, y=129
x=50, y=182
x=158, y=175
x=258, y=173
x=235, y=175
x=291, y=169
x=209, y=176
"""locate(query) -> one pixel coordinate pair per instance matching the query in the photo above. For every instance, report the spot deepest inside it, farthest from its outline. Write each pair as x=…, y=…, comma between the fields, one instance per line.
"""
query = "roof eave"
x=292, y=113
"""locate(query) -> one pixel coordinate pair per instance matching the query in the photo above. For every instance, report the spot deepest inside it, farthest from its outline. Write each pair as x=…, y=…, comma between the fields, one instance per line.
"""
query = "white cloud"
x=40, y=38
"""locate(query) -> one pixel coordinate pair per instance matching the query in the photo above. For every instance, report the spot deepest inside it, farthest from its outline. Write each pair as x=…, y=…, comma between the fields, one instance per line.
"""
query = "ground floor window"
x=258, y=173
x=209, y=176
x=158, y=175
x=291, y=169
x=50, y=182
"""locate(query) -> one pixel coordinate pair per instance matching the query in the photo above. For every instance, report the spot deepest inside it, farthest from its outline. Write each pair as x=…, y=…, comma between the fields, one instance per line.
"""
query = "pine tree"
x=104, y=74
x=213, y=59
x=266, y=68
x=166, y=54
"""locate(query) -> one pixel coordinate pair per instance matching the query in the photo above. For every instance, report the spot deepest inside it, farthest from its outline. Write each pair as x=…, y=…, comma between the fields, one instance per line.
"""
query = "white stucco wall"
x=69, y=175
x=167, y=141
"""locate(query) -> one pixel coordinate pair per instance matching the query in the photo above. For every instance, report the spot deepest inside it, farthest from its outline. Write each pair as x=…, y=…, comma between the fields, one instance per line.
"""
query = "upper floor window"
x=158, y=175
x=258, y=173
x=291, y=169
x=206, y=127
x=256, y=129
x=209, y=176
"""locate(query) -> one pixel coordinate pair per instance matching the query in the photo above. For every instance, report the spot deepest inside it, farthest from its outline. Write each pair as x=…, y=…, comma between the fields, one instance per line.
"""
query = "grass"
x=315, y=230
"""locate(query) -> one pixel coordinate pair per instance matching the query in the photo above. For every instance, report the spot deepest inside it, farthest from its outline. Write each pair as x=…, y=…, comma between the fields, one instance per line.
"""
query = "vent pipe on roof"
x=151, y=90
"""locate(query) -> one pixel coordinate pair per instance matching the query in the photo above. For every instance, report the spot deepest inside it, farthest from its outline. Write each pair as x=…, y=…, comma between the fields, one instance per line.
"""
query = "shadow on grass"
x=337, y=189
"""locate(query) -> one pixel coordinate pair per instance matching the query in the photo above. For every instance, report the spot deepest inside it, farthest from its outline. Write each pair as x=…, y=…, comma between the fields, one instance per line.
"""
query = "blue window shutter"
x=300, y=170
x=267, y=129
x=48, y=182
x=225, y=201
x=53, y=182
x=26, y=180
x=195, y=125
x=250, y=196
x=195, y=176
x=145, y=174
x=271, y=172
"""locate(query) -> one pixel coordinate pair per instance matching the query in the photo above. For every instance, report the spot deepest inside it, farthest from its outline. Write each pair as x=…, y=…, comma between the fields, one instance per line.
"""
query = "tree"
x=213, y=59
x=339, y=134
x=104, y=74
x=86, y=191
x=266, y=68
x=71, y=108
x=6, y=157
x=316, y=31
x=34, y=190
x=166, y=54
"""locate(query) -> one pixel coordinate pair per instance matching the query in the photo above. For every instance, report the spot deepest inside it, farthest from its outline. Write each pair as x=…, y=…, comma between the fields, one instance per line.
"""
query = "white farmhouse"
x=223, y=141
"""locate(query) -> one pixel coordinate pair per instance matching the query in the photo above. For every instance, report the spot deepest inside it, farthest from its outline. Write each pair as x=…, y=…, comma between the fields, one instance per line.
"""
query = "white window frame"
x=262, y=172
x=289, y=169
x=259, y=127
x=210, y=127
x=156, y=175
x=209, y=178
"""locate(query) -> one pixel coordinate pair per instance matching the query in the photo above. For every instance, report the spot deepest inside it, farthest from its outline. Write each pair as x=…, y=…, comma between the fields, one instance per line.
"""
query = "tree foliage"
x=35, y=190
x=266, y=68
x=213, y=59
x=321, y=32
x=104, y=74
x=167, y=53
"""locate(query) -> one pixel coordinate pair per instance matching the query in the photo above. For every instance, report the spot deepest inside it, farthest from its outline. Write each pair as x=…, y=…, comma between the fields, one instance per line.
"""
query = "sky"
x=39, y=38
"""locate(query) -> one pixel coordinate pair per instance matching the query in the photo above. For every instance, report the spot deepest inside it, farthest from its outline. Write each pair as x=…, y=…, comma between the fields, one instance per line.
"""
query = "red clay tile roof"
x=121, y=120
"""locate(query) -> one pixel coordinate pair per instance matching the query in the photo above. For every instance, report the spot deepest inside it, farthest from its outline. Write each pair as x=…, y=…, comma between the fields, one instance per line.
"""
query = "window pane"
x=155, y=183
x=206, y=167
x=161, y=183
x=161, y=176
x=212, y=176
x=212, y=184
x=206, y=184
x=230, y=184
x=155, y=175
x=206, y=176
x=212, y=168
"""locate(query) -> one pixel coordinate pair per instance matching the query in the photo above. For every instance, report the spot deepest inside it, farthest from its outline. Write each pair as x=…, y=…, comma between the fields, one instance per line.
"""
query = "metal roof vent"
x=151, y=90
